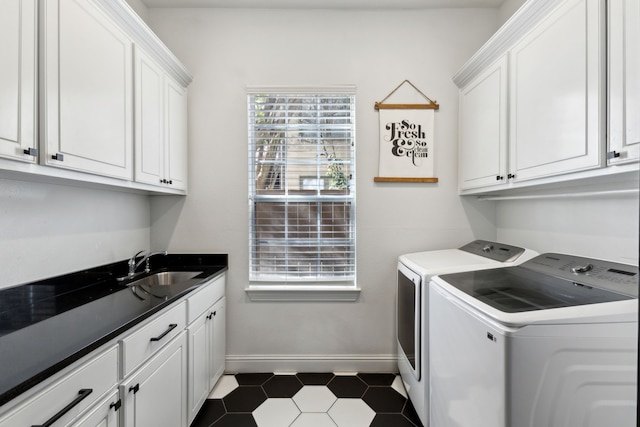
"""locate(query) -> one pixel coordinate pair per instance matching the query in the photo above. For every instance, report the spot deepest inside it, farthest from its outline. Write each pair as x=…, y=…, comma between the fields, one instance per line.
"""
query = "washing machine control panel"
x=612, y=276
x=493, y=250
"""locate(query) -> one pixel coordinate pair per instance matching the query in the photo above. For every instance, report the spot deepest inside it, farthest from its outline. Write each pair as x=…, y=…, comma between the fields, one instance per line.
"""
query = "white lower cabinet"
x=156, y=394
x=206, y=355
x=198, y=365
x=156, y=375
x=66, y=399
x=206, y=343
x=103, y=414
x=217, y=343
x=145, y=341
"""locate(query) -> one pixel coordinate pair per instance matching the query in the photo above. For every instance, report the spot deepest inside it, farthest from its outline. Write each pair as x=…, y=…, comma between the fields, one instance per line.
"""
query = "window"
x=302, y=186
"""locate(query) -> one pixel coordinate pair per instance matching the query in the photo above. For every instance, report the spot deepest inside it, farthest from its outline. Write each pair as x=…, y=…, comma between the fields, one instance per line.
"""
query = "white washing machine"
x=414, y=273
x=552, y=342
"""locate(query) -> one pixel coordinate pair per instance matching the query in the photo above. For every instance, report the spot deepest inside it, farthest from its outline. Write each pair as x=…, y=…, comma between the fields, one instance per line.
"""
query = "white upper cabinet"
x=557, y=93
x=624, y=81
x=149, y=114
x=533, y=99
x=161, y=126
x=483, y=132
x=87, y=97
x=68, y=111
x=176, y=135
x=18, y=74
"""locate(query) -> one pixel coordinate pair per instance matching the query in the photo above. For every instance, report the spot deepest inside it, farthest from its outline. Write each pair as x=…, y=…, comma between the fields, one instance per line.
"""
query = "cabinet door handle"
x=58, y=156
x=511, y=176
x=82, y=394
x=134, y=388
x=499, y=177
x=613, y=155
x=162, y=335
x=31, y=151
x=116, y=405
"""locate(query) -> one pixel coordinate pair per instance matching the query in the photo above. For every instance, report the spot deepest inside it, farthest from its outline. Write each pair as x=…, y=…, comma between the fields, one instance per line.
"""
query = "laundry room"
x=232, y=61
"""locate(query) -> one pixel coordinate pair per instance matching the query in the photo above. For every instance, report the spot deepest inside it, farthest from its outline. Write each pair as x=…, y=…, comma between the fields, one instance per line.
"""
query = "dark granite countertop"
x=49, y=324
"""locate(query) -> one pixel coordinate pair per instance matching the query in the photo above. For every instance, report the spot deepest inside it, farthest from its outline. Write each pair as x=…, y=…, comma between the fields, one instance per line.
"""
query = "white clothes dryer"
x=415, y=270
x=552, y=342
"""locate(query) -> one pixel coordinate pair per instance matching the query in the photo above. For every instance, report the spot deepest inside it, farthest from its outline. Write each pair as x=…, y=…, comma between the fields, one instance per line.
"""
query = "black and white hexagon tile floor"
x=308, y=400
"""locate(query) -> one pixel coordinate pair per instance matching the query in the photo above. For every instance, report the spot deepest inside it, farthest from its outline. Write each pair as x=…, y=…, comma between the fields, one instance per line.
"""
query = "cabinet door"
x=556, y=95
x=199, y=354
x=88, y=95
x=18, y=76
x=218, y=342
x=176, y=135
x=624, y=81
x=149, y=112
x=156, y=396
x=161, y=126
x=483, y=128
x=103, y=414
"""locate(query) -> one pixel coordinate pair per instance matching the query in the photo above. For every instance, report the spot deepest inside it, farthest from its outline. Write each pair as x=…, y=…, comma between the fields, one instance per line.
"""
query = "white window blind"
x=302, y=186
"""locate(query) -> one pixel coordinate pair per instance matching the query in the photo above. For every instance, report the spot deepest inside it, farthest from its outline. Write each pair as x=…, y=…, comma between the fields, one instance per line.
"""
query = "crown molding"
x=526, y=18
x=127, y=19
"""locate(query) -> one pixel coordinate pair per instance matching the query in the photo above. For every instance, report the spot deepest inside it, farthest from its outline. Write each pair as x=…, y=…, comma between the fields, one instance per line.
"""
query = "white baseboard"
x=238, y=363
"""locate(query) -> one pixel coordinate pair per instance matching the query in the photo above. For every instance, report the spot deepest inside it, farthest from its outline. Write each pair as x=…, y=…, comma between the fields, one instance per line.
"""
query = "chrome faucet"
x=133, y=266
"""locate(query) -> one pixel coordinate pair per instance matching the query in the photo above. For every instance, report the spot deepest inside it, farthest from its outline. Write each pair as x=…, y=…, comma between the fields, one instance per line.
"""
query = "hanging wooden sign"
x=406, y=141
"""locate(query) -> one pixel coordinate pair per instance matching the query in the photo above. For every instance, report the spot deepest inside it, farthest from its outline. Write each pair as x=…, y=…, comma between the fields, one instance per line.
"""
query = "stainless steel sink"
x=163, y=284
x=166, y=278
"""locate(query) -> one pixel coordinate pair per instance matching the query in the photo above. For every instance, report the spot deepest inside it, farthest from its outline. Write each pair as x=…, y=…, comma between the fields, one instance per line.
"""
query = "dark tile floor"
x=308, y=400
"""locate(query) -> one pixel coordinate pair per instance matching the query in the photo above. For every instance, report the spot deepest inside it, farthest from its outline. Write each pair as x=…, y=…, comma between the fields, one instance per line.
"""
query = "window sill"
x=303, y=293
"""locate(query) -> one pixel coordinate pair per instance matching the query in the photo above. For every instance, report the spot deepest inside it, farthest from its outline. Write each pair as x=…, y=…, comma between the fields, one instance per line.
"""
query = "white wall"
x=226, y=50
x=508, y=8
x=47, y=230
x=140, y=8
x=598, y=227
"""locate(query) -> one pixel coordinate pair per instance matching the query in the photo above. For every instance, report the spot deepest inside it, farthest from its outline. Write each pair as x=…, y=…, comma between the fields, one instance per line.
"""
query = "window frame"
x=300, y=289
